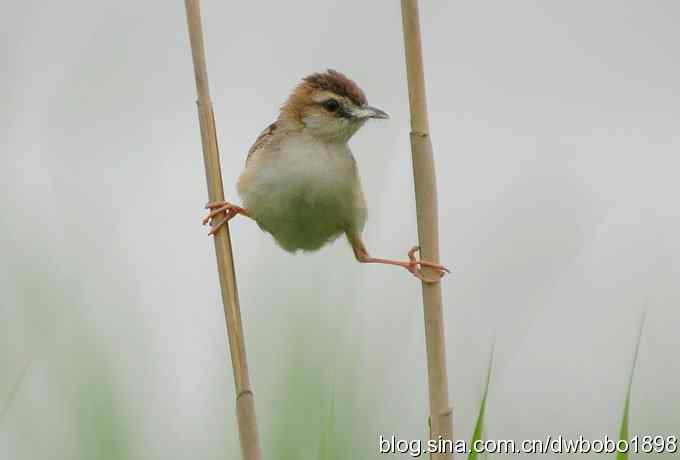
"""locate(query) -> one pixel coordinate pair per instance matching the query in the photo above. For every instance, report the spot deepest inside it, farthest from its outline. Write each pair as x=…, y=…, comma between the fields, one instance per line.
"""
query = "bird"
x=301, y=182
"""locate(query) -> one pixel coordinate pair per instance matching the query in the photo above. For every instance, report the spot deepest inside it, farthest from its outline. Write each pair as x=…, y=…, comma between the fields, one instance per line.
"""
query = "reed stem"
x=245, y=403
x=441, y=415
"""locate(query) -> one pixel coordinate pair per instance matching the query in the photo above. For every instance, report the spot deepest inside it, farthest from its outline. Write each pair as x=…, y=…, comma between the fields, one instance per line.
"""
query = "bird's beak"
x=369, y=112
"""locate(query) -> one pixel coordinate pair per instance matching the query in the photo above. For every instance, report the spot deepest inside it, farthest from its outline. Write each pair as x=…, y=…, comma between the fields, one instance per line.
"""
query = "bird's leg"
x=412, y=265
x=219, y=207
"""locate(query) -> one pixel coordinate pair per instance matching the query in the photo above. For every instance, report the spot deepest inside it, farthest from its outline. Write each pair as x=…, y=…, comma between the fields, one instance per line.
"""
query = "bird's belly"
x=302, y=208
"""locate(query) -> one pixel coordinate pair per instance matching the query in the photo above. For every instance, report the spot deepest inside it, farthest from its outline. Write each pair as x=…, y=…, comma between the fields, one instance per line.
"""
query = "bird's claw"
x=217, y=208
x=415, y=265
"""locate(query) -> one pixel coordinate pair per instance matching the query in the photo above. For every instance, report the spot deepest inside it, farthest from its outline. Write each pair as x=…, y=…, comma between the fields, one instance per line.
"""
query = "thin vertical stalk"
x=245, y=404
x=441, y=416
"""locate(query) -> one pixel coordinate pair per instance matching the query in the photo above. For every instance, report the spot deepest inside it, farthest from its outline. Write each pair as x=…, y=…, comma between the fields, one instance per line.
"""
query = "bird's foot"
x=219, y=207
x=414, y=265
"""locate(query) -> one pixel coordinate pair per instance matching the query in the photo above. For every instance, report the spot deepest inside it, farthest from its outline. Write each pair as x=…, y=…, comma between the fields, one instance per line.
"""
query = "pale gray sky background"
x=556, y=129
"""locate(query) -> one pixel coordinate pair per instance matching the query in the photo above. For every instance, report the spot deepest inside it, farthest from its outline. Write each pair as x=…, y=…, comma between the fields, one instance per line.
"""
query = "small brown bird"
x=301, y=183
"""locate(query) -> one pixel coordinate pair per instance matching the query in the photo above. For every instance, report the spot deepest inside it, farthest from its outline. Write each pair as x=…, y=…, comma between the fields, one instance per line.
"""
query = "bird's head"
x=328, y=106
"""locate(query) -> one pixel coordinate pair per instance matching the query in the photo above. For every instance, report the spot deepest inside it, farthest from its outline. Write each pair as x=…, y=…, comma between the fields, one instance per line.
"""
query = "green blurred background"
x=556, y=134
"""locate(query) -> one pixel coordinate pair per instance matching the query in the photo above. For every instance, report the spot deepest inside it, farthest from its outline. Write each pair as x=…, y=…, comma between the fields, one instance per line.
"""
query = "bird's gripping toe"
x=414, y=265
x=218, y=207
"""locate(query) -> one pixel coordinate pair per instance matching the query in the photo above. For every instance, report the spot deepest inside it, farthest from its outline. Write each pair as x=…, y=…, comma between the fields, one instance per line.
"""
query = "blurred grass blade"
x=623, y=431
x=13, y=391
x=326, y=434
x=479, y=426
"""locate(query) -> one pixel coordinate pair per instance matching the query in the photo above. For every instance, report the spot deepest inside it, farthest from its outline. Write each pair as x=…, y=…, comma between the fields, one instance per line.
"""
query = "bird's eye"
x=331, y=105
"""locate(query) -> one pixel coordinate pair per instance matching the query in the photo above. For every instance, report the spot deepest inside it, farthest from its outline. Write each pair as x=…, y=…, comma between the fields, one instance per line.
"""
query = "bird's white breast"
x=304, y=192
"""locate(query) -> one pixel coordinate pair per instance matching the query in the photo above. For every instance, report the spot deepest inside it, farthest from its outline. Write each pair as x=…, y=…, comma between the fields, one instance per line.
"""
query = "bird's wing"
x=262, y=140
